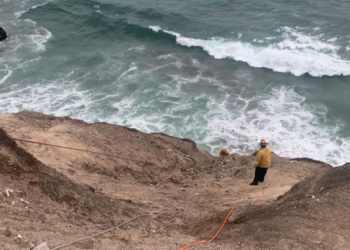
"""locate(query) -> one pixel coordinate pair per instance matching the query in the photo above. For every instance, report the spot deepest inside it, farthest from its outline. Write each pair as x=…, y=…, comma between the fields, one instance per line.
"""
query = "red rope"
x=77, y=149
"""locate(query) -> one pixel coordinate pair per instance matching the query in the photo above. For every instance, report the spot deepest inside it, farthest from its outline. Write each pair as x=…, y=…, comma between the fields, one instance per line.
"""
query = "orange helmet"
x=223, y=150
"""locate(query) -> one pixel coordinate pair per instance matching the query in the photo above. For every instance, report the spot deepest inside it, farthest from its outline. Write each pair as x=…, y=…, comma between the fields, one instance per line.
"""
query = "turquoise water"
x=222, y=73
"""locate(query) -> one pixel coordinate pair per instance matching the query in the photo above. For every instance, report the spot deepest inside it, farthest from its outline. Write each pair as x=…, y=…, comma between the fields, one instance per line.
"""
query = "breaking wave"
x=297, y=53
x=293, y=128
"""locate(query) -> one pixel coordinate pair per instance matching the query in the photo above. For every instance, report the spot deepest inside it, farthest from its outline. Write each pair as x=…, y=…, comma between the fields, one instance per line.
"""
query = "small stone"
x=7, y=233
x=310, y=196
x=18, y=239
x=41, y=246
x=31, y=245
x=42, y=218
x=24, y=201
x=8, y=191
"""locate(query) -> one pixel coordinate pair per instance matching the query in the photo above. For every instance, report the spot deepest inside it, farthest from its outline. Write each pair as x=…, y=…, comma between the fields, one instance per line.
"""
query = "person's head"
x=263, y=143
x=223, y=150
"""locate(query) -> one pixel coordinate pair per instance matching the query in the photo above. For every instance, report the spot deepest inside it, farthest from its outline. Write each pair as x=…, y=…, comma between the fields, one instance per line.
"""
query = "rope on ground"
x=97, y=234
x=77, y=149
x=257, y=202
x=213, y=238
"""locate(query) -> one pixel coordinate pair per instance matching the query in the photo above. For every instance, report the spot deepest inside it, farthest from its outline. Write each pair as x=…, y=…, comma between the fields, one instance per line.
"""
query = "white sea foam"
x=7, y=75
x=59, y=97
x=293, y=39
x=297, y=53
x=20, y=13
x=155, y=28
x=137, y=48
x=29, y=37
x=332, y=40
x=292, y=128
x=40, y=37
x=23, y=47
x=132, y=68
x=166, y=56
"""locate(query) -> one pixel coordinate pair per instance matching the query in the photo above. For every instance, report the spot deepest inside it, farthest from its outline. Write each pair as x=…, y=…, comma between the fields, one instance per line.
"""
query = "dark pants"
x=259, y=174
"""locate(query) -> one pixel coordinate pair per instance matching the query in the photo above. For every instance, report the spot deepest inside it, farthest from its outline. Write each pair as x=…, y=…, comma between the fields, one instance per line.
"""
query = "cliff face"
x=61, y=194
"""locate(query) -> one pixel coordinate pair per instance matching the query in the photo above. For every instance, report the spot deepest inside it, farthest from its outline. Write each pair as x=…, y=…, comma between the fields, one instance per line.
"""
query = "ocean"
x=223, y=73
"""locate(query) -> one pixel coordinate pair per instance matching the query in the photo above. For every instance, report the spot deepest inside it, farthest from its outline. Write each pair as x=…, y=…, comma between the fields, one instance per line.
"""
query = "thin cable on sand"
x=97, y=234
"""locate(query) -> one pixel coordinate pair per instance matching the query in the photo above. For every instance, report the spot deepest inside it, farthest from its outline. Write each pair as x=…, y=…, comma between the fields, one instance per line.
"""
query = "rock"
x=3, y=34
x=41, y=246
x=42, y=218
x=18, y=239
x=8, y=190
x=24, y=201
x=7, y=233
x=310, y=196
x=31, y=246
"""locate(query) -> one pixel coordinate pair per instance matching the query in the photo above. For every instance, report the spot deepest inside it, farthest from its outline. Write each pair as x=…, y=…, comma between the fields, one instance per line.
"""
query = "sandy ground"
x=185, y=193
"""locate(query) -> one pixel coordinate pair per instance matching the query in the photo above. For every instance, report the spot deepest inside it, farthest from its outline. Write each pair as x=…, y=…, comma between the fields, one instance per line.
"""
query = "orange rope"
x=77, y=149
x=257, y=202
x=194, y=244
x=223, y=224
x=213, y=238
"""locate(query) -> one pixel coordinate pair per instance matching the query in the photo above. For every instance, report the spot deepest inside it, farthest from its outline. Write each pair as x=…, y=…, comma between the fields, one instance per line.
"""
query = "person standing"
x=262, y=163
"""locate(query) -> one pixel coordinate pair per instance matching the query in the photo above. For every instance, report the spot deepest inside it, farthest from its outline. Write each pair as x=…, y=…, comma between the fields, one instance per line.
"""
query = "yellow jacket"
x=263, y=158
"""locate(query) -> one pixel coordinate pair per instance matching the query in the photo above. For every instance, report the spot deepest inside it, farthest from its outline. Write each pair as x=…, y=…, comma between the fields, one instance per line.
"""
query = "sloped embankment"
x=312, y=215
x=38, y=195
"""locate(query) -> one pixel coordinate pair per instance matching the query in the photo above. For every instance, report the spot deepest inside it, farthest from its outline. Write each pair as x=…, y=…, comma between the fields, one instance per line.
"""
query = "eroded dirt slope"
x=186, y=192
x=312, y=215
x=39, y=203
